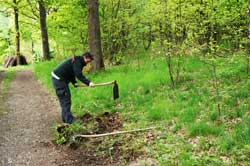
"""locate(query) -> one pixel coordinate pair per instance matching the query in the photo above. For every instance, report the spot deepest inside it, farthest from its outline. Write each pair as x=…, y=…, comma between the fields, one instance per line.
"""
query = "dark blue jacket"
x=70, y=69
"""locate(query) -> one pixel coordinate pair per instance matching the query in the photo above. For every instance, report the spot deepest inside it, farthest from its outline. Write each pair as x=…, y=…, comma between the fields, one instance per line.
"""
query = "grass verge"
x=190, y=128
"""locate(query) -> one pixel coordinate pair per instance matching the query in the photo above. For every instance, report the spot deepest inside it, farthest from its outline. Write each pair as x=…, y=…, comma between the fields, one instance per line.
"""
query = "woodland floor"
x=27, y=113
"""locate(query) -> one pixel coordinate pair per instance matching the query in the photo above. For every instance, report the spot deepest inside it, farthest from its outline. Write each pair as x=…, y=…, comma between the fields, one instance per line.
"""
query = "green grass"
x=187, y=112
x=4, y=86
x=242, y=131
x=204, y=129
x=8, y=76
x=189, y=115
x=227, y=142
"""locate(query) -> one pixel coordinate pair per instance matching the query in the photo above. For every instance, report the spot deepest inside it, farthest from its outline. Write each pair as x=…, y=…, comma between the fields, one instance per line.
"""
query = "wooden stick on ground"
x=113, y=133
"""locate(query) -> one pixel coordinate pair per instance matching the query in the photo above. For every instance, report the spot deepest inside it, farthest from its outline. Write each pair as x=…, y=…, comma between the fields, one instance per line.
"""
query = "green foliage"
x=37, y=58
x=43, y=72
x=68, y=27
x=130, y=26
x=66, y=132
x=4, y=37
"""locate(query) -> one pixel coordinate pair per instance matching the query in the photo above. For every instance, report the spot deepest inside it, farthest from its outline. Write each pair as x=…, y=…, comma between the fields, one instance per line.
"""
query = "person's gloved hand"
x=91, y=84
x=76, y=85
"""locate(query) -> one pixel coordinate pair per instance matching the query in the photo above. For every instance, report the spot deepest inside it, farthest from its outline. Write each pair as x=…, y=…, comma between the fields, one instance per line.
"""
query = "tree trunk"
x=44, y=33
x=248, y=42
x=94, y=35
x=17, y=32
x=216, y=87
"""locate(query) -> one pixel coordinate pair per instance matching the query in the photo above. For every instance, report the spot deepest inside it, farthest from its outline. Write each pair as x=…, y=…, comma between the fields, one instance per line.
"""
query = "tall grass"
x=146, y=98
x=145, y=89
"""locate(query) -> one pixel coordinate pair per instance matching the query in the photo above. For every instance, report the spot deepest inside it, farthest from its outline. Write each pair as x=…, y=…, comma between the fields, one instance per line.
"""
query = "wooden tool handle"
x=100, y=84
x=104, y=83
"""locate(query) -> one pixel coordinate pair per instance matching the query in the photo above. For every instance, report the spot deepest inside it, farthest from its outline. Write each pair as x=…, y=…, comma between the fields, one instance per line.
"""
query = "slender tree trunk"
x=147, y=38
x=248, y=63
x=94, y=35
x=177, y=77
x=17, y=32
x=32, y=47
x=248, y=42
x=248, y=56
x=44, y=33
x=216, y=86
x=170, y=69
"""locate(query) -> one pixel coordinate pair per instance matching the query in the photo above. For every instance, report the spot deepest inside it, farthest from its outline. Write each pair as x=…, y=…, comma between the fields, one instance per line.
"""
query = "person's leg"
x=65, y=102
x=63, y=94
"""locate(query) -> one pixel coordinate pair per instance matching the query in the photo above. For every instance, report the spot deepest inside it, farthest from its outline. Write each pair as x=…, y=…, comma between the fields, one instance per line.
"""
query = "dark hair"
x=88, y=55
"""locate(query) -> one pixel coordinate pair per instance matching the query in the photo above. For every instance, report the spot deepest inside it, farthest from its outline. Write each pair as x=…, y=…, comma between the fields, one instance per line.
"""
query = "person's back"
x=64, y=70
x=71, y=68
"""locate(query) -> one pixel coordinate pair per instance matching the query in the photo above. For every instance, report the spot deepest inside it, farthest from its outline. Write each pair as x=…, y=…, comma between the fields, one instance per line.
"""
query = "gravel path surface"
x=25, y=125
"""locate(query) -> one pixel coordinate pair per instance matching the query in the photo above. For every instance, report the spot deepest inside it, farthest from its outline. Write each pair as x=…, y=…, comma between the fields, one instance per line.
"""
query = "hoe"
x=115, y=88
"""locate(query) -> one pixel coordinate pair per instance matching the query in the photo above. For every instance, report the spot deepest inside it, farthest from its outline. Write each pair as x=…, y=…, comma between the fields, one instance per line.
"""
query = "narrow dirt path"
x=25, y=129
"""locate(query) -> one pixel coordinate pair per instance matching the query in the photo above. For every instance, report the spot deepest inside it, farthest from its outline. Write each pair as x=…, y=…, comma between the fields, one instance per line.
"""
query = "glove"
x=91, y=84
x=76, y=85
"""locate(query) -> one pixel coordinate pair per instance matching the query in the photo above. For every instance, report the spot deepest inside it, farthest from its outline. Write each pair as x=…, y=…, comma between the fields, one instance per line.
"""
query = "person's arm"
x=73, y=81
x=78, y=73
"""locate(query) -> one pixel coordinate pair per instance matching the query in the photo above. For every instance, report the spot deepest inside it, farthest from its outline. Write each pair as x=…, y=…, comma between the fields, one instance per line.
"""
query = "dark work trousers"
x=63, y=94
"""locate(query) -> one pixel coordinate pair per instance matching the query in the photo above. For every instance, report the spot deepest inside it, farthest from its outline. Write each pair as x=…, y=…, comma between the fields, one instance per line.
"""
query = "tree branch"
x=28, y=16
x=32, y=9
x=27, y=23
x=113, y=133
